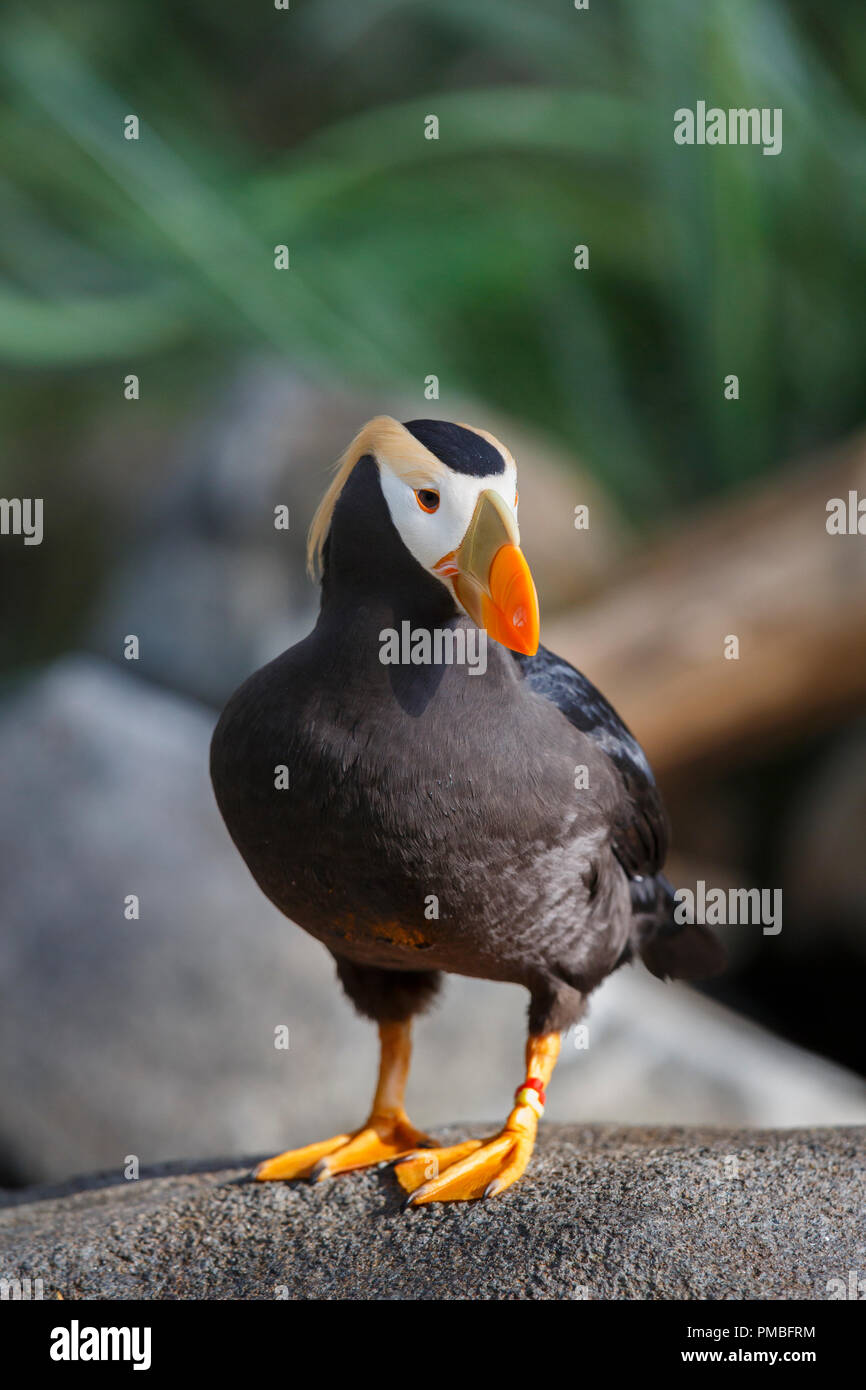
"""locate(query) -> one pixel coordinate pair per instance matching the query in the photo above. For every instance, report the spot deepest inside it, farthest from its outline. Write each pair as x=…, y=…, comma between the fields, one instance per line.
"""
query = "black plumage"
x=639, y=828
x=460, y=448
x=421, y=787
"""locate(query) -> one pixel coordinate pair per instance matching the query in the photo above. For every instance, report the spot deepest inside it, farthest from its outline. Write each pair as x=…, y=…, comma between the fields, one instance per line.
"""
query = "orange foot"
x=478, y=1168
x=380, y=1140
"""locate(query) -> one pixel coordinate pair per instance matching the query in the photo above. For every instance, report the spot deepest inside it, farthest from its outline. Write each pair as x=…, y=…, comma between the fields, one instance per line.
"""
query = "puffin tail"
x=669, y=949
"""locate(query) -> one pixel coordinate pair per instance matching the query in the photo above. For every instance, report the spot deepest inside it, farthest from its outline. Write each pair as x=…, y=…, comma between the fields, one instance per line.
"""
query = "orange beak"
x=493, y=581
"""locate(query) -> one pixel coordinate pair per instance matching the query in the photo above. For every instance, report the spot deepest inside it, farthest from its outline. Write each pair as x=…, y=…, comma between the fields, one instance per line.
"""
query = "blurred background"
x=411, y=259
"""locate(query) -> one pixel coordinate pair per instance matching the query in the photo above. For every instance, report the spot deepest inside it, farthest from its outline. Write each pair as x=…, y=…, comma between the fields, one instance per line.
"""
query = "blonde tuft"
x=392, y=444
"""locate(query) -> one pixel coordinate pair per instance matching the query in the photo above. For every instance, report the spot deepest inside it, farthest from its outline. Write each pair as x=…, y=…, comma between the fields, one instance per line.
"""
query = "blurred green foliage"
x=455, y=256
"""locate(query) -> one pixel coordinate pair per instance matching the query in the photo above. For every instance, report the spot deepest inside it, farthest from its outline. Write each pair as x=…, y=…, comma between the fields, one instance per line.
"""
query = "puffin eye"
x=428, y=500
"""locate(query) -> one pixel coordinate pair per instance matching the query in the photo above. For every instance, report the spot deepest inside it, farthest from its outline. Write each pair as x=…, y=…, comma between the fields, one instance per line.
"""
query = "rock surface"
x=603, y=1213
x=155, y=1037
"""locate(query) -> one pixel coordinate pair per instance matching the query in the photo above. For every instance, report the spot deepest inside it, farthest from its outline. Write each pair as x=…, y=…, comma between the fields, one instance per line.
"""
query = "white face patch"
x=431, y=535
x=405, y=467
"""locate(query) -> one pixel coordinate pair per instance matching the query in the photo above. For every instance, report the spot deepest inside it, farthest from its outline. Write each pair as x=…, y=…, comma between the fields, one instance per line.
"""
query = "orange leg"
x=484, y=1168
x=386, y=1133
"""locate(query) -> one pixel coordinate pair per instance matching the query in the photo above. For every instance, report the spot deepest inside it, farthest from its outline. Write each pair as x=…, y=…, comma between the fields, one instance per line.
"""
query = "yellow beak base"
x=494, y=582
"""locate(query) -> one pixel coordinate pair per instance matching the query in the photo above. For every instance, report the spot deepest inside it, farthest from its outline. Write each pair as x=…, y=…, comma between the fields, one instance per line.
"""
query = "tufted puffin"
x=419, y=811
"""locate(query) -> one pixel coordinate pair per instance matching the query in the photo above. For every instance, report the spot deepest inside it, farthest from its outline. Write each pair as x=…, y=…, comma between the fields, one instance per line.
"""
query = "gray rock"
x=155, y=1037
x=152, y=1037
x=603, y=1212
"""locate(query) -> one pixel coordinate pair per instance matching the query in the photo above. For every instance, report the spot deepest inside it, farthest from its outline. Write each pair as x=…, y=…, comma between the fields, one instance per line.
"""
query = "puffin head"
x=451, y=494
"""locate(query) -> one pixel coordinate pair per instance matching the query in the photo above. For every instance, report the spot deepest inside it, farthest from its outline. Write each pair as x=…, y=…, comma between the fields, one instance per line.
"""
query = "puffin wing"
x=640, y=832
